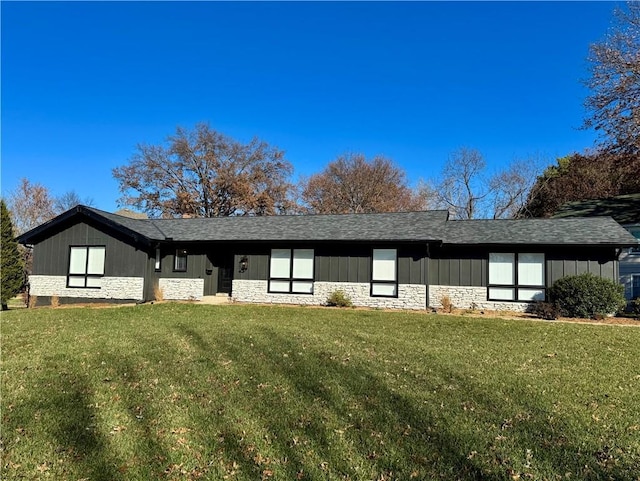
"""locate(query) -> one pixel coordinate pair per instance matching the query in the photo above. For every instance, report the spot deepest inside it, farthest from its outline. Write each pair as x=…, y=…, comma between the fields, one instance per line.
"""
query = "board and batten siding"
x=342, y=263
x=122, y=258
x=465, y=266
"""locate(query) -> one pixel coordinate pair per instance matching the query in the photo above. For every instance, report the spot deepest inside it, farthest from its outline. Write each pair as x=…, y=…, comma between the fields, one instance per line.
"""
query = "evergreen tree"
x=12, y=268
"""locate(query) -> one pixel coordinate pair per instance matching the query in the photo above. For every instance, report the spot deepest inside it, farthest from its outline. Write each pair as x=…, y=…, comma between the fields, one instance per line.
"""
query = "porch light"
x=244, y=264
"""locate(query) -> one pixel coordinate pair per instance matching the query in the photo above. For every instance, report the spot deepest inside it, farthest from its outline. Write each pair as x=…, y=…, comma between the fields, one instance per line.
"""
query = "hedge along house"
x=393, y=260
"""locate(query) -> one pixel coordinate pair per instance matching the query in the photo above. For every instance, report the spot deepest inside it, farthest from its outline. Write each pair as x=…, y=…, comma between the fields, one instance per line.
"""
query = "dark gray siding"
x=458, y=272
x=203, y=261
x=341, y=263
x=464, y=266
x=257, y=266
x=564, y=262
x=122, y=257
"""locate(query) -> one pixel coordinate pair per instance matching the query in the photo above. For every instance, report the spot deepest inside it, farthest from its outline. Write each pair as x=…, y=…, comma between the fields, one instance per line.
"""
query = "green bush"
x=634, y=306
x=587, y=296
x=339, y=299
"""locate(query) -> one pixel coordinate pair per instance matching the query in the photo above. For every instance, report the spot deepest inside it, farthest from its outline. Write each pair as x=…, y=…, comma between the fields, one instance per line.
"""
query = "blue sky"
x=84, y=82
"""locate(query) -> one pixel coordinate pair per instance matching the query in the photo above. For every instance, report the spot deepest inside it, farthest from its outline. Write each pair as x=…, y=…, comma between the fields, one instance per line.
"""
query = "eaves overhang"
x=37, y=233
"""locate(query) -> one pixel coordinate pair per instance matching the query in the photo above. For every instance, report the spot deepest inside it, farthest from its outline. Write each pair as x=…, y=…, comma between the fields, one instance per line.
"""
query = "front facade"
x=397, y=260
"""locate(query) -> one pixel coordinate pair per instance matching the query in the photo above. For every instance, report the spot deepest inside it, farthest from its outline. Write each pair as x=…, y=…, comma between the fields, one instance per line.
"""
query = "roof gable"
x=625, y=209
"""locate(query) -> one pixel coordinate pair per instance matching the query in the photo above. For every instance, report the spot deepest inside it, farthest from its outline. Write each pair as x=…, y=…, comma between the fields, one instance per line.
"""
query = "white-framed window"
x=384, y=273
x=158, y=264
x=86, y=266
x=180, y=260
x=516, y=276
x=291, y=271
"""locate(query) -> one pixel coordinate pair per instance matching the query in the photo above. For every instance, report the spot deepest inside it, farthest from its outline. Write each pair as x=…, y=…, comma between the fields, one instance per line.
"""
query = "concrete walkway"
x=217, y=299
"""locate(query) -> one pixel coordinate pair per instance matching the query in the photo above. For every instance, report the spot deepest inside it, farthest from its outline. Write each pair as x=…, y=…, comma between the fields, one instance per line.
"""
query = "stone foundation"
x=466, y=297
x=410, y=296
x=181, y=289
x=111, y=288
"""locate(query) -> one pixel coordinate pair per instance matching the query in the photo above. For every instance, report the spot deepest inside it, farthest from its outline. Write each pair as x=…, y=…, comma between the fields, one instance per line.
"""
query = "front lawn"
x=179, y=391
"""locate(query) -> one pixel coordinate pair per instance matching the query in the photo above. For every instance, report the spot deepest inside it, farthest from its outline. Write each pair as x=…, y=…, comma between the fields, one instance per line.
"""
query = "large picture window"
x=291, y=271
x=86, y=266
x=384, y=273
x=516, y=276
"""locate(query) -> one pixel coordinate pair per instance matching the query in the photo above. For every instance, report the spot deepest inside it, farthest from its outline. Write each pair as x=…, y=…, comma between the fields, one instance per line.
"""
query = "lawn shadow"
x=65, y=410
x=385, y=435
x=419, y=438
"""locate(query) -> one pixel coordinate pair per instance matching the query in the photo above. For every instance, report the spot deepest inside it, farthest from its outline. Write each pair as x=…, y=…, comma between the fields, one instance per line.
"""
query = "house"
x=408, y=260
x=624, y=209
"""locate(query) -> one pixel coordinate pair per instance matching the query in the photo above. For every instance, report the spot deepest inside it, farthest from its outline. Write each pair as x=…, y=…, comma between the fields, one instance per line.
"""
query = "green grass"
x=178, y=391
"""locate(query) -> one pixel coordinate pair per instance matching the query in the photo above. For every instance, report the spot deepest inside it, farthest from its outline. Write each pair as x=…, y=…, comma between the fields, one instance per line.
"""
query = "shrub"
x=544, y=310
x=586, y=296
x=339, y=299
x=634, y=306
x=158, y=293
x=447, y=305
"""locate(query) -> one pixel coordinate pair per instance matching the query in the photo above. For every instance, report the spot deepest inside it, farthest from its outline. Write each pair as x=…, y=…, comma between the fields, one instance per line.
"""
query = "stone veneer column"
x=181, y=289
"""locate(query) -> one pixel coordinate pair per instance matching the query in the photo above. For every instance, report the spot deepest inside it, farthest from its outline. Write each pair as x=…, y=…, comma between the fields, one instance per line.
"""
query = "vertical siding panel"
x=570, y=268
x=323, y=268
x=465, y=272
x=364, y=269
x=343, y=266
x=582, y=267
x=403, y=270
x=334, y=269
x=608, y=270
x=445, y=279
x=454, y=272
x=477, y=278
x=353, y=269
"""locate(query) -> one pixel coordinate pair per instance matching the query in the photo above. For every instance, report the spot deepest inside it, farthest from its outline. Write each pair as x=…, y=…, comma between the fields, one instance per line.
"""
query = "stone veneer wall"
x=465, y=297
x=182, y=289
x=410, y=296
x=112, y=288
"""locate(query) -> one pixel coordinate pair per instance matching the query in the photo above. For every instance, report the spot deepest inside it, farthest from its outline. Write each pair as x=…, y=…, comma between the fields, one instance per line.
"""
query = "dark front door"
x=225, y=276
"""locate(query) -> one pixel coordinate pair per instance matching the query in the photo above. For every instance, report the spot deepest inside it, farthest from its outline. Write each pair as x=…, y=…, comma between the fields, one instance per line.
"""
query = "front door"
x=225, y=276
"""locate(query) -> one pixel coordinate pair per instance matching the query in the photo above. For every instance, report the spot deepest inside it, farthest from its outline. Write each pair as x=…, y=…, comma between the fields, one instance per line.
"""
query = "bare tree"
x=30, y=205
x=463, y=188
x=468, y=192
x=614, y=102
x=353, y=184
x=510, y=187
x=68, y=200
x=204, y=173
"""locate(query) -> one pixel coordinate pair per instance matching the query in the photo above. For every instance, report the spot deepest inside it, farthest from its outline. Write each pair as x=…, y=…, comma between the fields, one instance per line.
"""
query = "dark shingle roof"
x=599, y=230
x=405, y=226
x=624, y=209
x=399, y=226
